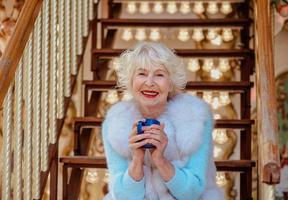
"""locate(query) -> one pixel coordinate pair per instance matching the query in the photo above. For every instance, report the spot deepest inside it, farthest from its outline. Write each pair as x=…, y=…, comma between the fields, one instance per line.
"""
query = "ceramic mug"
x=147, y=122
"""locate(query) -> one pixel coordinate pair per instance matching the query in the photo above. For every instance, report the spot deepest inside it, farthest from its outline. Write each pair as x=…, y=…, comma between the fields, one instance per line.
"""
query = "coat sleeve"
x=121, y=184
x=189, y=182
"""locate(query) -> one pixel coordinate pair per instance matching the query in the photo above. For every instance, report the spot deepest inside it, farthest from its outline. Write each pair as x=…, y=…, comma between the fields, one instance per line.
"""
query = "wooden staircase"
x=104, y=51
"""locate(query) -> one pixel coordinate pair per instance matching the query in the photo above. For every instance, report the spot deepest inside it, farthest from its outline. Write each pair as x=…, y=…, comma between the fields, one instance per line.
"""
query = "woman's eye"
x=141, y=74
x=160, y=75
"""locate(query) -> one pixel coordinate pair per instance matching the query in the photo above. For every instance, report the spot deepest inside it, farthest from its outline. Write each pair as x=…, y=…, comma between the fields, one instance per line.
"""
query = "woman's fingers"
x=137, y=138
x=137, y=145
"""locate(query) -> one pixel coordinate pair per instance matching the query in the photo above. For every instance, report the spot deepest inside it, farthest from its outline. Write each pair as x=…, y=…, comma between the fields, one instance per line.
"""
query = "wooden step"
x=225, y=22
x=93, y=162
x=234, y=53
x=89, y=122
x=104, y=85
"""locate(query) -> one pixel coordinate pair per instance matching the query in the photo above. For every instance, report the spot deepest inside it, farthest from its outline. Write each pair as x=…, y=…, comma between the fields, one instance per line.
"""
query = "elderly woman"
x=180, y=164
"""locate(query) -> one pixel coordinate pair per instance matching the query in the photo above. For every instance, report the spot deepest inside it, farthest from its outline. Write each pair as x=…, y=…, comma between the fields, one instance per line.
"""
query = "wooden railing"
x=269, y=164
x=37, y=74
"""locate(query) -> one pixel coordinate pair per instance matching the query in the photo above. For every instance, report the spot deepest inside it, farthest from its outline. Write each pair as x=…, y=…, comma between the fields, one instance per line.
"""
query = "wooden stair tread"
x=89, y=161
x=220, y=123
x=188, y=52
x=192, y=85
x=234, y=22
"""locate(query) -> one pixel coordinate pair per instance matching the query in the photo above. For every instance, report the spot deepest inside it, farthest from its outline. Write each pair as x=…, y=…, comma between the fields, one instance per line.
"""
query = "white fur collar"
x=184, y=121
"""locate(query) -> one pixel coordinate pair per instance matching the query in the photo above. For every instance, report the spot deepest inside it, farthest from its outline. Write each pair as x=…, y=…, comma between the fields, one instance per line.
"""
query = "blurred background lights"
x=158, y=7
x=212, y=8
x=155, y=34
x=144, y=7
x=226, y=8
x=127, y=34
x=140, y=34
x=171, y=7
x=197, y=34
x=185, y=7
x=198, y=7
x=131, y=7
x=193, y=64
x=183, y=35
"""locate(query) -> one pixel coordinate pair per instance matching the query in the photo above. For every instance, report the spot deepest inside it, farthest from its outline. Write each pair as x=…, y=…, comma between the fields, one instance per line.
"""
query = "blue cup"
x=148, y=122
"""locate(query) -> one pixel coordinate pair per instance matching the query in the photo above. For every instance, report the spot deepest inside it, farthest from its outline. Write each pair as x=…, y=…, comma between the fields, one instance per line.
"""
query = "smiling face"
x=151, y=86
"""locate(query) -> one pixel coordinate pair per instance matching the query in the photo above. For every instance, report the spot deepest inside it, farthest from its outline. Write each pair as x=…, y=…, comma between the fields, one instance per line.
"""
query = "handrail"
x=17, y=43
x=266, y=102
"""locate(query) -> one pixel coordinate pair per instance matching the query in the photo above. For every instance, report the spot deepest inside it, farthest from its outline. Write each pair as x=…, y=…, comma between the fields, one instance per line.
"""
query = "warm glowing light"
x=131, y=7
x=155, y=34
x=112, y=97
x=215, y=103
x=106, y=176
x=185, y=7
x=158, y=7
x=221, y=180
x=226, y=8
x=208, y=64
x=216, y=73
x=217, y=151
x=220, y=136
x=127, y=34
x=197, y=34
x=115, y=64
x=140, y=34
x=193, y=65
x=126, y=96
x=224, y=65
x=183, y=35
x=171, y=7
x=207, y=96
x=217, y=116
x=193, y=93
x=227, y=34
x=92, y=176
x=212, y=8
x=144, y=7
x=217, y=40
x=198, y=8
x=212, y=33
x=224, y=98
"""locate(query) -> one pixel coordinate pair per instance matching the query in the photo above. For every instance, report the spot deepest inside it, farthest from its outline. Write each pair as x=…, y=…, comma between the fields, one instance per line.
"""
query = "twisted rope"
x=37, y=59
x=74, y=43
x=60, y=78
x=67, y=84
x=7, y=154
x=28, y=121
x=53, y=73
x=45, y=86
x=18, y=96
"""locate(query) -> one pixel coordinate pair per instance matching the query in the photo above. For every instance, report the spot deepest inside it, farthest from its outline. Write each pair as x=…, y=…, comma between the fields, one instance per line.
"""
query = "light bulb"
x=227, y=34
x=112, y=97
x=155, y=34
x=193, y=65
x=158, y=7
x=208, y=64
x=127, y=34
x=197, y=34
x=215, y=103
x=92, y=176
x=140, y=34
x=212, y=33
x=106, y=176
x=198, y=8
x=217, y=116
x=217, y=40
x=207, y=96
x=215, y=73
x=131, y=7
x=224, y=98
x=183, y=35
x=226, y=8
x=224, y=65
x=221, y=180
x=144, y=7
x=171, y=7
x=115, y=64
x=220, y=136
x=185, y=7
x=212, y=7
x=217, y=151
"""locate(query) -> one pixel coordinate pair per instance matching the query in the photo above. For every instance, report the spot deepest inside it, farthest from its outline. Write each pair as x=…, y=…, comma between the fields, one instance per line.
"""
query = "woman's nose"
x=150, y=80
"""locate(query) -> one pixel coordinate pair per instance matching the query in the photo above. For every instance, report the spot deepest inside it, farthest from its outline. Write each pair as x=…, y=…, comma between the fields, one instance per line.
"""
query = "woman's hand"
x=136, y=141
x=159, y=139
